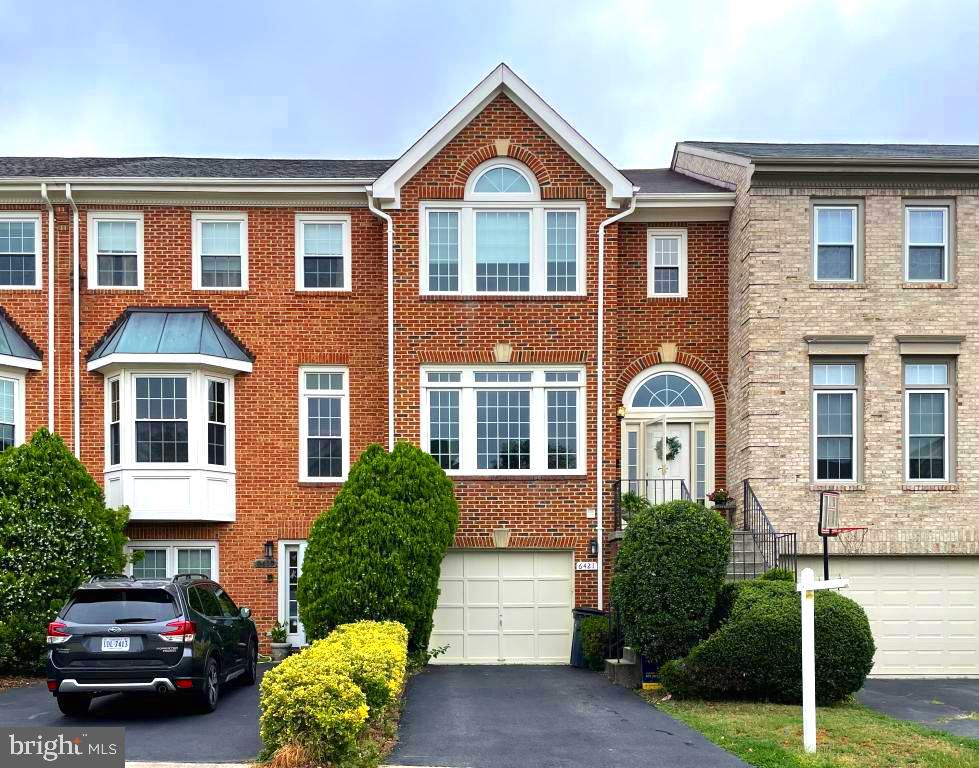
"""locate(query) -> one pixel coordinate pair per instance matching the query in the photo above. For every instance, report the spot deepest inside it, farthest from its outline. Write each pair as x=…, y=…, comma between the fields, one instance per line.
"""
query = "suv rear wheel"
x=208, y=695
x=74, y=704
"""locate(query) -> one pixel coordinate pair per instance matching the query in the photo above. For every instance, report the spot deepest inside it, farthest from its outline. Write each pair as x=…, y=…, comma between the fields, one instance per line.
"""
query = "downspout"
x=390, y=310
x=600, y=405
x=51, y=252
x=75, y=347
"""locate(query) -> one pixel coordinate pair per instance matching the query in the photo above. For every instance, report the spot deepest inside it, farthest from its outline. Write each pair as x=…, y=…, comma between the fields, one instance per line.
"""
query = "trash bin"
x=577, y=652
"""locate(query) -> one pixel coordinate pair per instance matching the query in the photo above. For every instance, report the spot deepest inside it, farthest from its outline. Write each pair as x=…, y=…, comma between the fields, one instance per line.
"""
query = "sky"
x=366, y=79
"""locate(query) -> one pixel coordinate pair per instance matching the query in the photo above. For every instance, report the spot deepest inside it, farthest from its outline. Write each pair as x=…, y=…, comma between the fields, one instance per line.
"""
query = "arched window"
x=667, y=390
x=502, y=179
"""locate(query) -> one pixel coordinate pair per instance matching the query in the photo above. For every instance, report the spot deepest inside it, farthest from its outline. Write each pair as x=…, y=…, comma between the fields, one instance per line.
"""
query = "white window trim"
x=298, y=638
x=20, y=412
x=854, y=434
x=196, y=421
x=172, y=546
x=653, y=234
x=945, y=392
x=200, y=217
x=482, y=168
x=467, y=245
x=679, y=414
x=945, y=211
x=467, y=387
x=93, y=248
x=304, y=396
x=855, y=243
x=324, y=218
x=38, y=249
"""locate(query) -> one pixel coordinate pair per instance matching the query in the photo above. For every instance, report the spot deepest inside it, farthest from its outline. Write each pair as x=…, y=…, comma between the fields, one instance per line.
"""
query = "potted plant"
x=723, y=503
x=280, y=646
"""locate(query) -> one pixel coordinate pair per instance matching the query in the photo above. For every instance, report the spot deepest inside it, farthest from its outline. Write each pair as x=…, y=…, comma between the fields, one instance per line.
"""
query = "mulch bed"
x=16, y=681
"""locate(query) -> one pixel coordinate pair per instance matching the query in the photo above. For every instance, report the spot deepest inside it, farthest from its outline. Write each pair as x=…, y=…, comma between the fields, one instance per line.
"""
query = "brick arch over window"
x=514, y=152
x=685, y=359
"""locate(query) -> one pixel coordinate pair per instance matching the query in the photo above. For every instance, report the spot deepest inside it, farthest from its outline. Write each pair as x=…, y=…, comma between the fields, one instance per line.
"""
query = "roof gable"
x=387, y=188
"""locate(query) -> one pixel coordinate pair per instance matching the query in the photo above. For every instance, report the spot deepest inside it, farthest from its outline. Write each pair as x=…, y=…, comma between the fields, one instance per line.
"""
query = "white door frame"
x=285, y=546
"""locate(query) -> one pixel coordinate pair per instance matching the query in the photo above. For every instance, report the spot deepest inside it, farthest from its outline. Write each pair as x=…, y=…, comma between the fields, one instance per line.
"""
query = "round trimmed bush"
x=594, y=641
x=668, y=572
x=377, y=553
x=55, y=531
x=757, y=652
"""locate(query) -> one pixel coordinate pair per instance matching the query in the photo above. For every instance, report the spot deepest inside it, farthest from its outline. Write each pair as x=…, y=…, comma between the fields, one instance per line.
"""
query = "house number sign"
x=586, y=565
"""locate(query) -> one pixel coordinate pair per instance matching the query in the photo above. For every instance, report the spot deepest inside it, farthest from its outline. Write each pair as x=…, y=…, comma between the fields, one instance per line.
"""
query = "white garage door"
x=924, y=612
x=504, y=607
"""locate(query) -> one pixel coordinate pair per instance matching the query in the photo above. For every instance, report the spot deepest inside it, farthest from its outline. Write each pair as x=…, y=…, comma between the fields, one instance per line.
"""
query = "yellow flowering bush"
x=323, y=698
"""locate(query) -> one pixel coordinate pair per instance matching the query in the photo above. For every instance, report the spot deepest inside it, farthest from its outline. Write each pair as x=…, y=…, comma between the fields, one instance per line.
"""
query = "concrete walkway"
x=546, y=717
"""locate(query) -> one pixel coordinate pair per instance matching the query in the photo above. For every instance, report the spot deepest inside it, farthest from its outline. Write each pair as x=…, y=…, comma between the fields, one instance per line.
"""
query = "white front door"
x=658, y=459
x=291, y=556
x=504, y=607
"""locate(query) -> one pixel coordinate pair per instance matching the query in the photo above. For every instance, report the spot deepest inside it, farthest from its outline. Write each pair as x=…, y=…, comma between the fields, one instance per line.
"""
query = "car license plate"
x=115, y=643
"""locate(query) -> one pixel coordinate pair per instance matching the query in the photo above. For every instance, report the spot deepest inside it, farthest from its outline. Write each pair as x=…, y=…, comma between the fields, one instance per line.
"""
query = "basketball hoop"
x=850, y=537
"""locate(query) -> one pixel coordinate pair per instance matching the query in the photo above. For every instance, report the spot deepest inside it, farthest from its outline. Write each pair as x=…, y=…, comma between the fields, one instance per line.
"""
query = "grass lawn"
x=770, y=735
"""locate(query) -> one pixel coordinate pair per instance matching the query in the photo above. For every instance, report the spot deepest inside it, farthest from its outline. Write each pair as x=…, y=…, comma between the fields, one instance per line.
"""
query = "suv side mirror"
x=245, y=612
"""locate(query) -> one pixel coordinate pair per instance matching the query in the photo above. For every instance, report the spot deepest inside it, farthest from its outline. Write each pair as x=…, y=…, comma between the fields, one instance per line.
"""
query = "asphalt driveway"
x=547, y=717
x=950, y=705
x=158, y=728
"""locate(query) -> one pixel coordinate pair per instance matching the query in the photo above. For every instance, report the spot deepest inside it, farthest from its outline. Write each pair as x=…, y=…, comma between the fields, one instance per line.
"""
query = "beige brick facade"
x=774, y=305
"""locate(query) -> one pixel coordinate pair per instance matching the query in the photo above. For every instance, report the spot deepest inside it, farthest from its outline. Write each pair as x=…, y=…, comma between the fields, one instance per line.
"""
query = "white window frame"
x=538, y=386
x=34, y=218
x=502, y=202
x=200, y=217
x=20, y=412
x=344, y=220
x=94, y=217
x=304, y=397
x=298, y=638
x=928, y=389
x=946, y=261
x=171, y=547
x=856, y=411
x=196, y=420
x=855, y=243
x=652, y=235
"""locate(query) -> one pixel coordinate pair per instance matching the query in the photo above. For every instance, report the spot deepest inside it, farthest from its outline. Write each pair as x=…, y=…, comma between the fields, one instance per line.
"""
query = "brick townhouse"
x=219, y=339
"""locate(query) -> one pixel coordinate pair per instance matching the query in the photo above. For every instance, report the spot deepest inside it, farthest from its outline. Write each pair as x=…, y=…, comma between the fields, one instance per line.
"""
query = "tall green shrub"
x=376, y=554
x=55, y=531
x=668, y=572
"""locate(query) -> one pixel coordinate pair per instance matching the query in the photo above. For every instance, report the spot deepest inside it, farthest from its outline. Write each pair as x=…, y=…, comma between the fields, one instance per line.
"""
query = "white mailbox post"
x=807, y=587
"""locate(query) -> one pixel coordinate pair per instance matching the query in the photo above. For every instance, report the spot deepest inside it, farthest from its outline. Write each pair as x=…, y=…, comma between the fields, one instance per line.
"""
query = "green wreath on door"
x=673, y=446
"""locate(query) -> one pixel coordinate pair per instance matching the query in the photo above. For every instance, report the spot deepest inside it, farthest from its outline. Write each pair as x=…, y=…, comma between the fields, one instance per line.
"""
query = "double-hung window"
x=115, y=250
x=220, y=244
x=503, y=420
x=502, y=239
x=323, y=261
x=927, y=402
x=926, y=239
x=836, y=408
x=667, y=256
x=324, y=451
x=166, y=559
x=161, y=419
x=217, y=425
x=20, y=250
x=835, y=243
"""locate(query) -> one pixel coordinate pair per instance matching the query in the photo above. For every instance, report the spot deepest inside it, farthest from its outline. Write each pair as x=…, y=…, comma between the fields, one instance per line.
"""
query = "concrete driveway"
x=547, y=717
x=950, y=705
x=158, y=728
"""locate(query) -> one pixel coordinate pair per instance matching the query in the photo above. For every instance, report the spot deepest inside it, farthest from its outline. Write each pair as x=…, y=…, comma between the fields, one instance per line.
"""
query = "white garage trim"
x=922, y=610
x=504, y=607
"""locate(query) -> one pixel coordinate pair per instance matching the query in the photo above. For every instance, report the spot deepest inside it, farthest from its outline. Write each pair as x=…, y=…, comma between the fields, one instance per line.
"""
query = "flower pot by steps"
x=280, y=651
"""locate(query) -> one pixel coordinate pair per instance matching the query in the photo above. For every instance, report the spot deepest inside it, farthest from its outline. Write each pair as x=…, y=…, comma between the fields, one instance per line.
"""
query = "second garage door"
x=922, y=611
x=504, y=607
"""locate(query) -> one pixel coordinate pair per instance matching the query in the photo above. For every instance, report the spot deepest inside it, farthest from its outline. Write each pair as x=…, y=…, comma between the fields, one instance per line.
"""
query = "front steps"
x=746, y=559
x=626, y=671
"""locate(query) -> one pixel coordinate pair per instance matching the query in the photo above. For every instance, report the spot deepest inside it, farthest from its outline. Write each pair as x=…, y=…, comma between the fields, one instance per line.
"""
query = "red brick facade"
x=285, y=328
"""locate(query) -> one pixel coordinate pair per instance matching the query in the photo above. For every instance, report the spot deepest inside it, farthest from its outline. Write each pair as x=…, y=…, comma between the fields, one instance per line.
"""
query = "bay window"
x=504, y=420
x=11, y=425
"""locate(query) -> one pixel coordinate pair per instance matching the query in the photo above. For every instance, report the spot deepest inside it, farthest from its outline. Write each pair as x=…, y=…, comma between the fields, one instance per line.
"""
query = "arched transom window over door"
x=668, y=435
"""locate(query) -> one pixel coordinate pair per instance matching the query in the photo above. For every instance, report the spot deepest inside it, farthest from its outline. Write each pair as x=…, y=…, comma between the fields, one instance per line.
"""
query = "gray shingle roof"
x=13, y=342
x=667, y=181
x=189, y=167
x=165, y=331
x=841, y=152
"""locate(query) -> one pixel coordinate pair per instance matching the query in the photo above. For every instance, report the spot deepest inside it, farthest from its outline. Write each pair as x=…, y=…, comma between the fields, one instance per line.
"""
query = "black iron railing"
x=655, y=490
x=773, y=548
x=616, y=635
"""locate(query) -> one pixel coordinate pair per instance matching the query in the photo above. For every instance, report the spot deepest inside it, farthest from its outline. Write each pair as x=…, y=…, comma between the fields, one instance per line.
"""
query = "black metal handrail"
x=778, y=550
x=616, y=634
x=655, y=490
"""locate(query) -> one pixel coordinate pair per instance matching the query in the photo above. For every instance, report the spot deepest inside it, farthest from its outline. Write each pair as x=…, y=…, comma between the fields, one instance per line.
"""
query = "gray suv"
x=117, y=634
